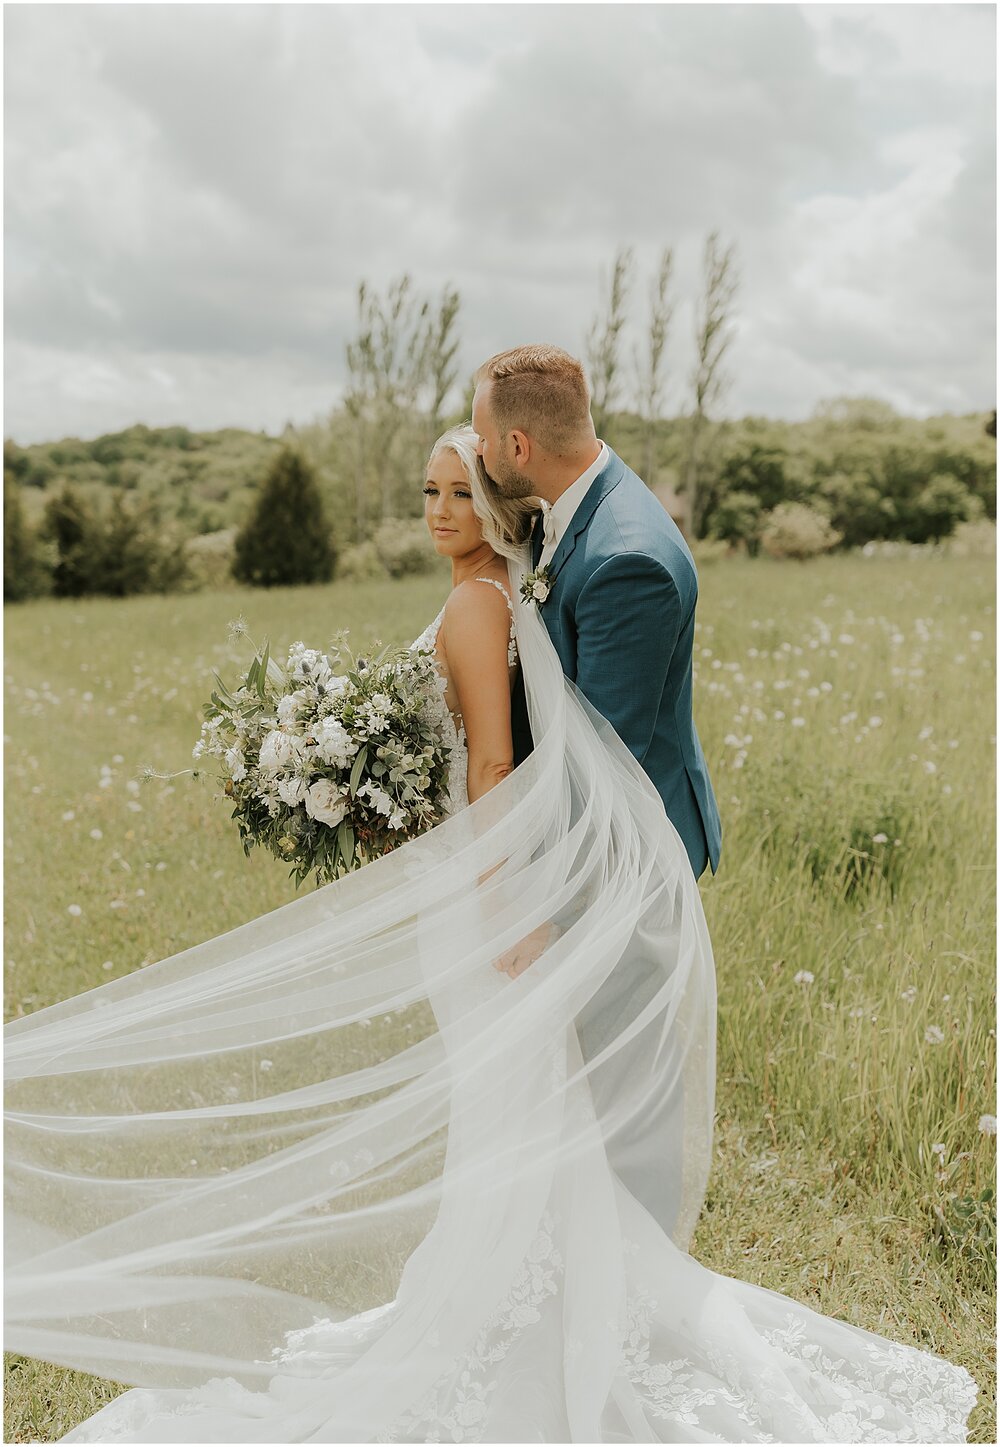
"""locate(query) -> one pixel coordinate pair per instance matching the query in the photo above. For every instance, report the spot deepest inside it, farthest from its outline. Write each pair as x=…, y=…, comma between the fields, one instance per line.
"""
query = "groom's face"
x=495, y=450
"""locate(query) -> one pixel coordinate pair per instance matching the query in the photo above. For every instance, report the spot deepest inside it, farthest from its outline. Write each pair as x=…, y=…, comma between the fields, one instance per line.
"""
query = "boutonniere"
x=535, y=588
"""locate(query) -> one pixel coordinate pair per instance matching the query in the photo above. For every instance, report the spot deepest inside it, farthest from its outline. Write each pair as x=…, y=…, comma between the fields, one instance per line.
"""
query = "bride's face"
x=448, y=507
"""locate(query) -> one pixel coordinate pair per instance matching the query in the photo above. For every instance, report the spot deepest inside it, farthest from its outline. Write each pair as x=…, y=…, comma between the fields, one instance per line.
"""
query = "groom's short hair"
x=540, y=390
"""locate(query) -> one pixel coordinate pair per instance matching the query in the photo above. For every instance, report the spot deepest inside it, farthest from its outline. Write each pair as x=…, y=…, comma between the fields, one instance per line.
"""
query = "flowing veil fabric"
x=332, y=1177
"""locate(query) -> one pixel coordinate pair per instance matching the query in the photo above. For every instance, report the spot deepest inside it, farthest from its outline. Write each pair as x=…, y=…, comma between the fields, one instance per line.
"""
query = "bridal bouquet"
x=329, y=770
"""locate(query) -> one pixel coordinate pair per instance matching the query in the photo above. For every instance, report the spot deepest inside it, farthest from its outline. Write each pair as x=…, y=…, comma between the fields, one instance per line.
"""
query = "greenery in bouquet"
x=331, y=759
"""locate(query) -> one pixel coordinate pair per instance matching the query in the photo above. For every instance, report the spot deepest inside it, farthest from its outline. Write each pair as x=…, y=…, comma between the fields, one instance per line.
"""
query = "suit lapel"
x=607, y=479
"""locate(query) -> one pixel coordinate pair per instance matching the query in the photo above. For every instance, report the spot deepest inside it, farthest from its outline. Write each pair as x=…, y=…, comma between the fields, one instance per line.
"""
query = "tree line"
x=167, y=509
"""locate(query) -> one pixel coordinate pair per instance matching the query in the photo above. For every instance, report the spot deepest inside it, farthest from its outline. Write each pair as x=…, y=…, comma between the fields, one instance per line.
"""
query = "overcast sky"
x=193, y=193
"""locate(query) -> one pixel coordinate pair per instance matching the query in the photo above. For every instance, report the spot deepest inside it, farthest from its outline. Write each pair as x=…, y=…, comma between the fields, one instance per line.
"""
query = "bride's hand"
x=516, y=960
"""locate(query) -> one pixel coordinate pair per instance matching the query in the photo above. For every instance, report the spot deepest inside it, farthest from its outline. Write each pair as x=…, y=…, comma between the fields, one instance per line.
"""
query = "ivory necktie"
x=549, y=535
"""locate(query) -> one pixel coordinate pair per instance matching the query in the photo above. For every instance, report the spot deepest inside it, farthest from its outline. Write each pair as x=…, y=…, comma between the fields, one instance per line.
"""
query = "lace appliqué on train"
x=456, y=1407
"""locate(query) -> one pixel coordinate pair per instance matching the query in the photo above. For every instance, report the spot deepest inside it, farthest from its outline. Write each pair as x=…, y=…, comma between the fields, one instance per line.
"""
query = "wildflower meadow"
x=846, y=708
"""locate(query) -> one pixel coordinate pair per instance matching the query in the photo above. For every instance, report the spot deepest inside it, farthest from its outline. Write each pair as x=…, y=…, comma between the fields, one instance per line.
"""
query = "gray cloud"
x=194, y=191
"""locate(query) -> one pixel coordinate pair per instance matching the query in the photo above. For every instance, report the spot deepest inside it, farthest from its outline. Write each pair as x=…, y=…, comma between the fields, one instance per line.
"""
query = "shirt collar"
x=567, y=503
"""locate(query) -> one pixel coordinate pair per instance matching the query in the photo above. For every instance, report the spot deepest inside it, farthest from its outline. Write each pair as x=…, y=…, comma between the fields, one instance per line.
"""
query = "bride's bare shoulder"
x=476, y=611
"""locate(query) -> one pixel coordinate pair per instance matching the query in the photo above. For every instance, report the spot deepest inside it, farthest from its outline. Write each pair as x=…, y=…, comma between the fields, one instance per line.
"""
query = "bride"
x=342, y=1174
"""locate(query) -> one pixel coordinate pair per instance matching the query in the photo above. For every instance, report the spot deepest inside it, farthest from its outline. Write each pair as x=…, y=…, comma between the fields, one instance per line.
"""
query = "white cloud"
x=193, y=193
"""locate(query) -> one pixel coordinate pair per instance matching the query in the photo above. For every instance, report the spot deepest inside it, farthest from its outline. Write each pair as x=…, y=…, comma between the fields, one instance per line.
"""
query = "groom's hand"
x=515, y=961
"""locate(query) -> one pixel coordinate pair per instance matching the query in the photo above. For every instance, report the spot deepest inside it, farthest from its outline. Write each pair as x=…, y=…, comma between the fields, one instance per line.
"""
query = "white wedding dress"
x=530, y=1297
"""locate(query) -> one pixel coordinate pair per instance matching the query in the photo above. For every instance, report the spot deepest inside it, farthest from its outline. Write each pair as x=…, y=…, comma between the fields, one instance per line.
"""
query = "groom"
x=620, y=611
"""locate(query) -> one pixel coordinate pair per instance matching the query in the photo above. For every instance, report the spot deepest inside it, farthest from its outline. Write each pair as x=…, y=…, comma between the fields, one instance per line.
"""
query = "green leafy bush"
x=404, y=547
x=795, y=530
x=361, y=564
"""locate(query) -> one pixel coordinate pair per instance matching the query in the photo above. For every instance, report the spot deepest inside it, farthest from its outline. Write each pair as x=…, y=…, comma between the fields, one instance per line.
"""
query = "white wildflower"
x=804, y=977
x=933, y=1035
x=988, y=1124
x=880, y=838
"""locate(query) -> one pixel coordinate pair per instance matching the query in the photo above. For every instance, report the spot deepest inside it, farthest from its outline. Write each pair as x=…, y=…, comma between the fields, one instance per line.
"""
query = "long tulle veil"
x=341, y=1116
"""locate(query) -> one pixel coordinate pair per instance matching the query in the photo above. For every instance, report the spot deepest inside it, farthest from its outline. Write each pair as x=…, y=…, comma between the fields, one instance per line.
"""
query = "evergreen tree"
x=70, y=526
x=133, y=553
x=286, y=540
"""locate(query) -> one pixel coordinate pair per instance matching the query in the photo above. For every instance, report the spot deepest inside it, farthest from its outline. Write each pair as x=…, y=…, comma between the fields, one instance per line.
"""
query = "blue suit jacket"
x=621, y=616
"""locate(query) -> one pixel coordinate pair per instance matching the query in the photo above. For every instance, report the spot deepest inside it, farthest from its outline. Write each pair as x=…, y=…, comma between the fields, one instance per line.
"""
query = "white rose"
x=540, y=591
x=325, y=803
x=279, y=751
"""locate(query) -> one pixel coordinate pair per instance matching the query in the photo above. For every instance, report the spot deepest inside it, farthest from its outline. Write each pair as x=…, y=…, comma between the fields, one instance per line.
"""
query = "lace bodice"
x=458, y=761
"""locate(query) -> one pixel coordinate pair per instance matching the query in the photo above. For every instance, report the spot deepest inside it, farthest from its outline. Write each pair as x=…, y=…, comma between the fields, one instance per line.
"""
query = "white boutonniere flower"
x=536, y=586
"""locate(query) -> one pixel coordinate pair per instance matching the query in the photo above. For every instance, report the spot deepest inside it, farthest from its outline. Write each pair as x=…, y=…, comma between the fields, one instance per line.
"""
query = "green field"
x=846, y=708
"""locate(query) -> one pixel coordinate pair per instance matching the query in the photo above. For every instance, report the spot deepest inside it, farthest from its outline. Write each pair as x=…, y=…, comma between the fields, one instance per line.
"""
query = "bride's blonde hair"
x=506, y=521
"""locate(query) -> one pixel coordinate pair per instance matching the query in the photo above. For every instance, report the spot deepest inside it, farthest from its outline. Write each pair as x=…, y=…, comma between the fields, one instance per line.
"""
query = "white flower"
x=279, y=751
x=308, y=664
x=379, y=799
x=988, y=1124
x=804, y=977
x=334, y=744
x=325, y=803
x=880, y=838
x=933, y=1035
x=73, y=909
x=289, y=706
x=236, y=764
x=291, y=791
x=939, y=1148
x=540, y=590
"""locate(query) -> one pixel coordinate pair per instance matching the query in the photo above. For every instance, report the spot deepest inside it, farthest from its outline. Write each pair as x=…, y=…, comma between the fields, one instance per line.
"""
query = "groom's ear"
x=520, y=447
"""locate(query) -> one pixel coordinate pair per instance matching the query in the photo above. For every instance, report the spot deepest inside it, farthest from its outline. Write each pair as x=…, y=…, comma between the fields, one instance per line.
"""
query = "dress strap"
x=503, y=590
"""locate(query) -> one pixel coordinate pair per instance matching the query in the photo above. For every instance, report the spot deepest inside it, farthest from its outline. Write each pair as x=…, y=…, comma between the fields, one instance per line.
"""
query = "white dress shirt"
x=556, y=516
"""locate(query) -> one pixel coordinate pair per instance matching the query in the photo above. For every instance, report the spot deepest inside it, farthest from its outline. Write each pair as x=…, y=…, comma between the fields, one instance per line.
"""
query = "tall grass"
x=844, y=705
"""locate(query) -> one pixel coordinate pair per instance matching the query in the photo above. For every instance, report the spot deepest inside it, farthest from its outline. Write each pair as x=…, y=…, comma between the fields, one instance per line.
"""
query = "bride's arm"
x=476, y=627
